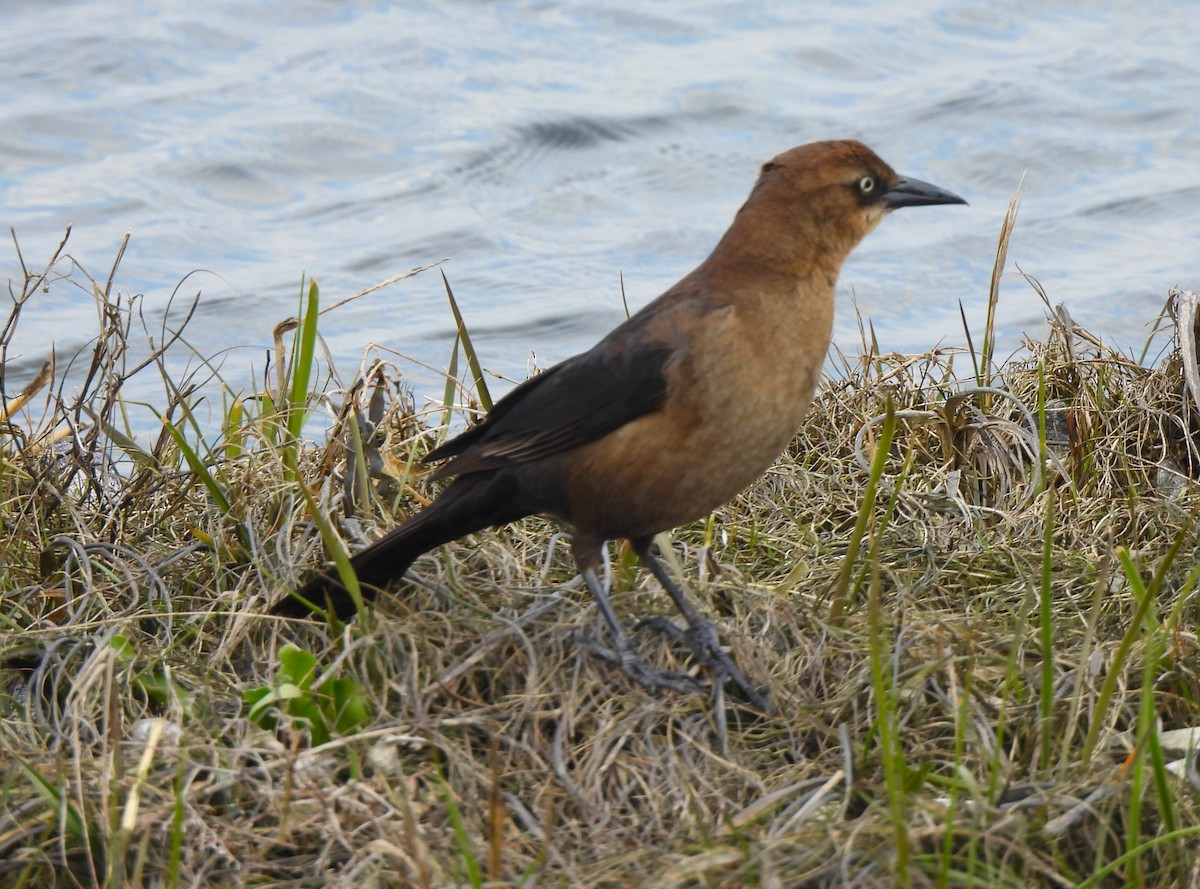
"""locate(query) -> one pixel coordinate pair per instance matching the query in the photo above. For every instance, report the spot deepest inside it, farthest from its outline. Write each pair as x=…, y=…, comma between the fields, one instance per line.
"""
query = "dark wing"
x=578, y=401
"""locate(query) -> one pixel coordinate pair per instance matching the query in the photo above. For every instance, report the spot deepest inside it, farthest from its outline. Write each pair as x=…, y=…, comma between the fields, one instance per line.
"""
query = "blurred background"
x=546, y=149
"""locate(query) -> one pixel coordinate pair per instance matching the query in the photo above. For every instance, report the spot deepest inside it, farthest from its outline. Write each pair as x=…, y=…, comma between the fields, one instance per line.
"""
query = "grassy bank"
x=968, y=588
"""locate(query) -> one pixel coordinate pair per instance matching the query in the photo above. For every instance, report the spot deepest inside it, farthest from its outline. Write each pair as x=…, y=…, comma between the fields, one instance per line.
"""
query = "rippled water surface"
x=547, y=148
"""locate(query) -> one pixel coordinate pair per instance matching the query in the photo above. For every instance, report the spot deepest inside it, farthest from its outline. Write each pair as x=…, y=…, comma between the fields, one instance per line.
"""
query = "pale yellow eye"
x=866, y=184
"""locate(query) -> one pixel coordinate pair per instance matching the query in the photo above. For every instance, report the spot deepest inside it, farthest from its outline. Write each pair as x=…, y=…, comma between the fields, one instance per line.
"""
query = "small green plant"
x=80, y=834
x=153, y=681
x=338, y=705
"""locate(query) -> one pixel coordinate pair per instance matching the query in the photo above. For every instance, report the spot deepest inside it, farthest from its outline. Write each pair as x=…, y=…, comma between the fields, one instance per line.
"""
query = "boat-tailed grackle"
x=675, y=411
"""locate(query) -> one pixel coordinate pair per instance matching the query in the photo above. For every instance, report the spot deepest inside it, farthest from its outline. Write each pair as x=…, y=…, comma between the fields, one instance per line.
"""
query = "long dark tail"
x=470, y=504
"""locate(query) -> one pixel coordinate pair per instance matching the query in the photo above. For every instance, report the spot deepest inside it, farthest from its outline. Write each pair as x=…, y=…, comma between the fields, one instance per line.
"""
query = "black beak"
x=915, y=193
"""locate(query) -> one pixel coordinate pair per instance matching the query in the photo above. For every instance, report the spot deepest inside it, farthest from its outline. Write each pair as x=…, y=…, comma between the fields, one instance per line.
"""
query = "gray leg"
x=623, y=654
x=700, y=636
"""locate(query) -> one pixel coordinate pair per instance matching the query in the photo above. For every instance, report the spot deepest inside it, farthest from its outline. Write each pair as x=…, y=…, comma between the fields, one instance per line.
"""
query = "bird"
x=672, y=414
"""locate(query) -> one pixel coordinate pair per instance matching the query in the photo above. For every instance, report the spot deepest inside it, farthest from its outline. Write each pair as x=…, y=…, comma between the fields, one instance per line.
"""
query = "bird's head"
x=822, y=198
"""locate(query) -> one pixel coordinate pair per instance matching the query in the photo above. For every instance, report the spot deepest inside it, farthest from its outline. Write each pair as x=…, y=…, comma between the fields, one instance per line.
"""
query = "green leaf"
x=350, y=709
x=297, y=666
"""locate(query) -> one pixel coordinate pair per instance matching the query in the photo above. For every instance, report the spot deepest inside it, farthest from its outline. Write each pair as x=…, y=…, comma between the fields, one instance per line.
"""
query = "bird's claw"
x=706, y=647
x=625, y=656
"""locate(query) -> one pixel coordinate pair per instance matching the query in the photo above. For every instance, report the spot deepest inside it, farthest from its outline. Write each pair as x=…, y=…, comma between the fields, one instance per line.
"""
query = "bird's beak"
x=915, y=193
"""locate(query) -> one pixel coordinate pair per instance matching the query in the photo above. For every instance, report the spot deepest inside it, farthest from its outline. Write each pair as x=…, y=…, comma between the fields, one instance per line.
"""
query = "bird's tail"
x=468, y=505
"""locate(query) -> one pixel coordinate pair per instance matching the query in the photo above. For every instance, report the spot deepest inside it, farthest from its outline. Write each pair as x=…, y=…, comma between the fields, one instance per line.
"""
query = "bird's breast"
x=738, y=387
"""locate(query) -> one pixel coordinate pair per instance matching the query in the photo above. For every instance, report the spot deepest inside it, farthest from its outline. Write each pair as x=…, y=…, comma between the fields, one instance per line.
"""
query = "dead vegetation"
x=979, y=638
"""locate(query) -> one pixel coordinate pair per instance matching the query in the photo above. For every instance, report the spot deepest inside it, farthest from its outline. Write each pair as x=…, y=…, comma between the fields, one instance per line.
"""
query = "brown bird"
x=673, y=413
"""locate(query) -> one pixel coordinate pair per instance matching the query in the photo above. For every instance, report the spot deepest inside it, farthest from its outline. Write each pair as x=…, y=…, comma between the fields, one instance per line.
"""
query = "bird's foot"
x=705, y=645
x=625, y=656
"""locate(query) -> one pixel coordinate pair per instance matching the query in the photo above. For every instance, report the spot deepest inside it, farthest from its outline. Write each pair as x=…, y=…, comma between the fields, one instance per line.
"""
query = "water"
x=548, y=148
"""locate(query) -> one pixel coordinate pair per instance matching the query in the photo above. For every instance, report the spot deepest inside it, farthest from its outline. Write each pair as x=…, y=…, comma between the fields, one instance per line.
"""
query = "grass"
x=969, y=589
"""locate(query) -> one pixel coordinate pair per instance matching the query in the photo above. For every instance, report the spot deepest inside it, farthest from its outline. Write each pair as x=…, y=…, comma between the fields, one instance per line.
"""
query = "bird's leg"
x=623, y=654
x=700, y=636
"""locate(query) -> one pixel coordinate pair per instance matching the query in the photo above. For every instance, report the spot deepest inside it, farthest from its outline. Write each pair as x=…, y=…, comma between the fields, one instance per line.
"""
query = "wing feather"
x=573, y=403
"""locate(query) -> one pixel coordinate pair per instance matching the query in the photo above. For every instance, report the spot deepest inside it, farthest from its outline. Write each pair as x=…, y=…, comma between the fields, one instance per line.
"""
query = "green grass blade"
x=461, y=839
x=481, y=389
x=1117, y=665
x=891, y=749
x=303, y=358
x=448, y=396
x=235, y=418
x=1144, y=596
x=341, y=559
x=175, y=837
x=73, y=821
x=841, y=594
x=1046, y=721
x=198, y=468
x=1122, y=861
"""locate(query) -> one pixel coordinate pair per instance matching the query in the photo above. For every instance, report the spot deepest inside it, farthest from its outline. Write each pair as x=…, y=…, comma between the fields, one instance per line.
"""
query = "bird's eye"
x=866, y=184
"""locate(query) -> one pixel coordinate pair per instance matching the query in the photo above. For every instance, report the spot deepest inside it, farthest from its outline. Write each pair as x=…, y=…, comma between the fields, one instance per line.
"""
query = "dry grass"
x=981, y=698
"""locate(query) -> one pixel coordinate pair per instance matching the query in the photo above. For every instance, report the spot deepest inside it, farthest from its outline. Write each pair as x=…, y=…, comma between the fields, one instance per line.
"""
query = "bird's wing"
x=578, y=401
